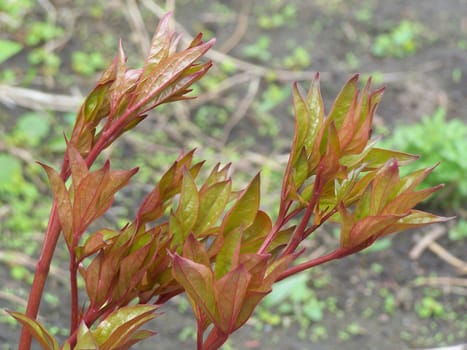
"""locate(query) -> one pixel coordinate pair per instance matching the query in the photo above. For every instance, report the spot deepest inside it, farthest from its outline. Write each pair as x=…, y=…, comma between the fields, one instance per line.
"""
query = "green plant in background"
x=281, y=17
x=401, y=41
x=8, y=49
x=13, y=12
x=87, y=63
x=298, y=59
x=437, y=139
x=259, y=50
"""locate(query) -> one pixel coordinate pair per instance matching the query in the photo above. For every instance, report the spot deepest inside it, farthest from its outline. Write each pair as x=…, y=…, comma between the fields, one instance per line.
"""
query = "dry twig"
x=15, y=96
x=429, y=241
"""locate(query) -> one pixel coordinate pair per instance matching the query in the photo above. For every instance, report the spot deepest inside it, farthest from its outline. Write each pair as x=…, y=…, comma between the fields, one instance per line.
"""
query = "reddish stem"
x=299, y=233
x=337, y=254
x=74, y=320
x=40, y=277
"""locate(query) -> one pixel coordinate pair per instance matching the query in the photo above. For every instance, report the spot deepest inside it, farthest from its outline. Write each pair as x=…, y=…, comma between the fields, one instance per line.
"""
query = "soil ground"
x=372, y=300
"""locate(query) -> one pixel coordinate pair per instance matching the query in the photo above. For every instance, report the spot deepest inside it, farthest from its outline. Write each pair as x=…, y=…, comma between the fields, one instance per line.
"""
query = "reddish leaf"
x=198, y=282
x=79, y=169
x=411, y=181
x=251, y=300
x=371, y=226
x=95, y=242
x=131, y=270
x=230, y=294
x=195, y=251
x=347, y=223
x=256, y=264
x=408, y=200
x=384, y=184
x=62, y=198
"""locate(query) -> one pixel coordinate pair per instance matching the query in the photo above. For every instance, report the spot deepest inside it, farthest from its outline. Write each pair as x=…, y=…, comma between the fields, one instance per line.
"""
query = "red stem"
x=74, y=321
x=299, y=233
x=337, y=254
x=40, y=277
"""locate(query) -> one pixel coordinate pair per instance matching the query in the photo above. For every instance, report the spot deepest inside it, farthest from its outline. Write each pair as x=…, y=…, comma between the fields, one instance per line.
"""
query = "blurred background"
x=407, y=292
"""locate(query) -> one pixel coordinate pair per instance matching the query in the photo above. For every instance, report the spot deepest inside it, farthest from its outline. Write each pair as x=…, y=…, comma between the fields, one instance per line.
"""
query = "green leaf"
x=188, y=207
x=228, y=256
x=8, y=49
x=32, y=128
x=343, y=101
x=11, y=174
x=213, y=200
x=120, y=326
x=45, y=339
x=378, y=156
x=85, y=340
x=217, y=175
x=300, y=170
x=415, y=219
x=243, y=212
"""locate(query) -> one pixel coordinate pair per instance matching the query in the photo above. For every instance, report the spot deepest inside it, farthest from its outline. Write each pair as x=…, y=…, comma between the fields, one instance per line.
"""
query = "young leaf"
x=45, y=339
x=195, y=251
x=245, y=208
x=85, y=340
x=188, y=208
x=230, y=294
x=228, y=256
x=384, y=184
x=343, y=101
x=213, y=200
x=198, y=282
x=62, y=198
x=119, y=327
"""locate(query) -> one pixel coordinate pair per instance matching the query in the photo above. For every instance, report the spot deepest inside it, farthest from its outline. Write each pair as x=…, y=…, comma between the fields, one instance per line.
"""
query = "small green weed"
x=259, y=50
x=282, y=16
x=436, y=138
x=429, y=307
x=87, y=63
x=401, y=41
x=8, y=49
x=459, y=231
